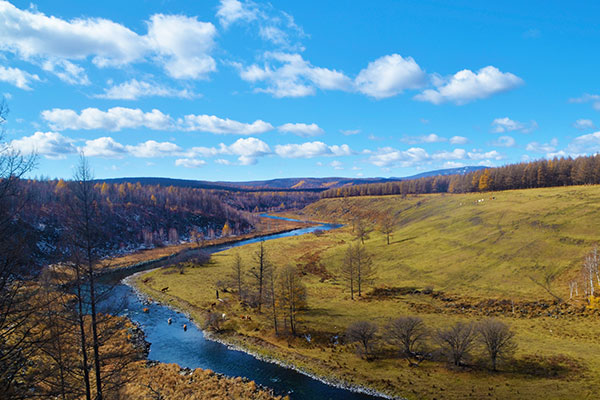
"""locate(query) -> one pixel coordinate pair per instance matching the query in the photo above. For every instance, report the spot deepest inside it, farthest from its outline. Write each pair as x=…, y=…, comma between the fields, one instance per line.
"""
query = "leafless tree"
x=214, y=321
x=497, y=339
x=590, y=272
x=260, y=272
x=357, y=268
x=293, y=295
x=386, y=226
x=546, y=282
x=363, y=333
x=237, y=273
x=457, y=341
x=361, y=229
x=272, y=295
x=407, y=333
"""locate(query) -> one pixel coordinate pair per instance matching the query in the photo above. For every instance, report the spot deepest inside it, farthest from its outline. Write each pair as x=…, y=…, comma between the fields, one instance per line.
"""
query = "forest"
x=569, y=171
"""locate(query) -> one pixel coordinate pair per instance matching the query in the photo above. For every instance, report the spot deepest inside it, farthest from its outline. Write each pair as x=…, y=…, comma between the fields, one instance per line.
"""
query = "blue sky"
x=244, y=90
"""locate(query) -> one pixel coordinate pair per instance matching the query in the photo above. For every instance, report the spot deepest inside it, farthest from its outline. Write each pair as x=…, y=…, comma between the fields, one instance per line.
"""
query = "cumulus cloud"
x=304, y=130
x=500, y=125
x=390, y=75
x=151, y=148
x=349, y=132
x=230, y=11
x=289, y=75
x=431, y=138
x=247, y=150
x=336, y=165
x=505, y=141
x=105, y=147
x=189, y=162
x=588, y=98
x=311, y=149
x=390, y=157
x=134, y=89
x=118, y=118
x=585, y=144
x=17, y=77
x=466, y=86
x=583, y=124
x=214, y=124
x=114, y=119
x=458, y=140
x=180, y=44
x=48, y=144
x=543, y=147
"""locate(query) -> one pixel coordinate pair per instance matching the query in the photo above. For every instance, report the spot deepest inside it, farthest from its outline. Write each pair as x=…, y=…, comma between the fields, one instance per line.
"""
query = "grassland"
x=473, y=253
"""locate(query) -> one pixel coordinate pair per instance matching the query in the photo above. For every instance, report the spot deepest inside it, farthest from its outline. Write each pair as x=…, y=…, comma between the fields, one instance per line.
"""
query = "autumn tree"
x=292, y=295
x=357, y=268
x=497, y=339
x=361, y=229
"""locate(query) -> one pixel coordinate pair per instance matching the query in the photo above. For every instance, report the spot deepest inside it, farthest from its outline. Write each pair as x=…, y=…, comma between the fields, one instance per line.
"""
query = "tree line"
x=563, y=171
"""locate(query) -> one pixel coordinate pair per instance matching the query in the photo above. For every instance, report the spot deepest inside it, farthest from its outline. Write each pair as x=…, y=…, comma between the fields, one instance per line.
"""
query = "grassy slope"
x=469, y=250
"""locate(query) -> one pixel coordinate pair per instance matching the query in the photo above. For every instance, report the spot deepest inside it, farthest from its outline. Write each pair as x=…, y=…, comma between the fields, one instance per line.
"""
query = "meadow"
x=459, y=257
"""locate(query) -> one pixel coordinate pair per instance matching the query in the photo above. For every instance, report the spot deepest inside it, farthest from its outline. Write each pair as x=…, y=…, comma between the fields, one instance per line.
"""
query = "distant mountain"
x=285, y=184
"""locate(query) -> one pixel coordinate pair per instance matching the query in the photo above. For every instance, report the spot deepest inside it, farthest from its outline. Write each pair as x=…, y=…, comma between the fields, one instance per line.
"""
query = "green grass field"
x=468, y=251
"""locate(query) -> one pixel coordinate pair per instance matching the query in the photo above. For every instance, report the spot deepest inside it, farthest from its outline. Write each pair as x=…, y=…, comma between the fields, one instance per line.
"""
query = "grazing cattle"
x=146, y=310
x=184, y=327
x=164, y=289
x=169, y=321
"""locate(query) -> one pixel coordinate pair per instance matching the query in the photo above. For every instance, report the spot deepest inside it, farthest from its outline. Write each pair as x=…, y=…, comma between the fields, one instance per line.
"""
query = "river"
x=171, y=344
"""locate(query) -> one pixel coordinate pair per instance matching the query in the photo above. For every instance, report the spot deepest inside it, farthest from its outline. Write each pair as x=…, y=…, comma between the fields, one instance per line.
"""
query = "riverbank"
x=253, y=346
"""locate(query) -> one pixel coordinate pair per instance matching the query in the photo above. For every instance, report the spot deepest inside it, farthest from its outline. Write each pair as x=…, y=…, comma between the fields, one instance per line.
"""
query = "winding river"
x=170, y=344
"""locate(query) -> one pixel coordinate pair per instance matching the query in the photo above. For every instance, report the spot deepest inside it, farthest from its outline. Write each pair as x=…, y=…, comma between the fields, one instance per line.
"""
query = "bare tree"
x=348, y=270
x=546, y=282
x=386, y=226
x=358, y=260
x=85, y=236
x=272, y=295
x=260, y=272
x=406, y=333
x=363, y=333
x=293, y=295
x=214, y=321
x=361, y=229
x=590, y=272
x=237, y=273
x=497, y=339
x=457, y=341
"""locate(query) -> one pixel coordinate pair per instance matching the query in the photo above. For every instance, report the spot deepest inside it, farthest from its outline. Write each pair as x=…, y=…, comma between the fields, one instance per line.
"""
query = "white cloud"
x=349, y=132
x=583, y=124
x=489, y=155
x=134, y=89
x=389, y=157
x=66, y=71
x=585, y=144
x=49, y=144
x=458, y=140
x=390, y=75
x=184, y=44
x=181, y=44
x=588, y=98
x=289, y=75
x=431, y=138
x=17, y=77
x=189, y=163
x=222, y=161
x=304, y=130
x=247, y=150
x=456, y=154
x=500, y=125
x=213, y=124
x=543, y=147
x=104, y=147
x=230, y=11
x=151, y=148
x=114, y=119
x=336, y=165
x=311, y=149
x=466, y=86
x=505, y=141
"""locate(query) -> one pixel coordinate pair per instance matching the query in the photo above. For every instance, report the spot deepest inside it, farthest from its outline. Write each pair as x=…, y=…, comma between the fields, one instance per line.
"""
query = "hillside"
x=489, y=243
x=284, y=184
x=452, y=258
